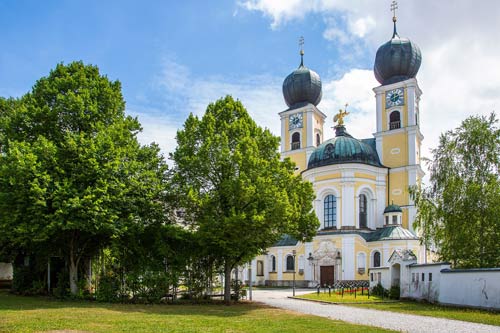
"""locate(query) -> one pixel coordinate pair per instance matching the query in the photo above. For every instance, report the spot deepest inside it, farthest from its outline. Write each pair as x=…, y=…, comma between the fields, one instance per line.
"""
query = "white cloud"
x=361, y=26
x=460, y=72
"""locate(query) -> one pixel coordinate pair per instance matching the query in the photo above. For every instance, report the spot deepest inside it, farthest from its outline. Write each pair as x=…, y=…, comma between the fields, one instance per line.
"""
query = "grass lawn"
x=33, y=314
x=338, y=298
x=411, y=307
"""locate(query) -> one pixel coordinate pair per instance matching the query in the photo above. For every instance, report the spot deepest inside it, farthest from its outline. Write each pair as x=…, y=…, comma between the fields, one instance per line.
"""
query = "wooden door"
x=327, y=276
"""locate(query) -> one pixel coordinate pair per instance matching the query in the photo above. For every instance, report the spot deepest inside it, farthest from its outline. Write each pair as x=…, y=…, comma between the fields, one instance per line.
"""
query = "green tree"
x=460, y=211
x=238, y=196
x=72, y=173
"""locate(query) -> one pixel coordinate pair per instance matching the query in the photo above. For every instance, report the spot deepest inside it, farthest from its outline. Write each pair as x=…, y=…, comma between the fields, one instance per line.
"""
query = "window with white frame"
x=363, y=211
x=295, y=140
x=330, y=211
x=290, y=263
x=361, y=261
x=376, y=259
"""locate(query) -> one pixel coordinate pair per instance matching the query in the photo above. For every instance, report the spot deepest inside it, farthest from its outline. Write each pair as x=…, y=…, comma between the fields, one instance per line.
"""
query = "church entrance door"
x=327, y=276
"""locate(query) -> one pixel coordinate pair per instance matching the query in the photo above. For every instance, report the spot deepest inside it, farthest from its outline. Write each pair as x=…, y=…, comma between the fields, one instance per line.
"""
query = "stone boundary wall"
x=461, y=287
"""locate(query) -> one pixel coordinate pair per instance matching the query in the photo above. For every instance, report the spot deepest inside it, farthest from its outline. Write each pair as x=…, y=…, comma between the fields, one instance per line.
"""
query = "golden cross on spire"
x=339, y=117
x=394, y=6
x=301, y=44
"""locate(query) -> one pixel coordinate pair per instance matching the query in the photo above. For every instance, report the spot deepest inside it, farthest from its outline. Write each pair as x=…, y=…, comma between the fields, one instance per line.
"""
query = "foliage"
x=73, y=176
x=237, y=195
x=460, y=210
x=108, y=289
x=379, y=290
x=394, y=292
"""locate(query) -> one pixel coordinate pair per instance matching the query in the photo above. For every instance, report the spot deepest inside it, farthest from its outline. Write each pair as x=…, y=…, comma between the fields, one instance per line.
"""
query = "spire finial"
x=394, y=6
x=301, y=44
x=339, y=117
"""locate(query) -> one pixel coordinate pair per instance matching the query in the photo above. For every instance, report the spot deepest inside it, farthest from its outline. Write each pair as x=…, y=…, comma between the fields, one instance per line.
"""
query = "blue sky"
x=174, y=57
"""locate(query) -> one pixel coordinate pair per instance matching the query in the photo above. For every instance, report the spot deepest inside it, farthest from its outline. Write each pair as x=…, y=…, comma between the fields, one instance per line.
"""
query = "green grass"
x=411, y=307
x=338, y=298
x=33, y=314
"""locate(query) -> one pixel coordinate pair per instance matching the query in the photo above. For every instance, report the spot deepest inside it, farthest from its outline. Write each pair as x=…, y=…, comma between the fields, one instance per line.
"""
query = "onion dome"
x=344, y=149
x=397, y=60
x=393, y=209
x=302, y=86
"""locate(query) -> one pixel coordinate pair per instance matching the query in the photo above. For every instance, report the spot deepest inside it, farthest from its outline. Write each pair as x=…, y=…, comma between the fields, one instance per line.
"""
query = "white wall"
x=474, y=287
x=422, y=288
x=6, y=272
x=468, y=287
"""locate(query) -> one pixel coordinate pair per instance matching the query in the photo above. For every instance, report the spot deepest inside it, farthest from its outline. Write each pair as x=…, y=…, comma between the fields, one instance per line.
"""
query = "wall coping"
x=470, y=270
x=430, y=264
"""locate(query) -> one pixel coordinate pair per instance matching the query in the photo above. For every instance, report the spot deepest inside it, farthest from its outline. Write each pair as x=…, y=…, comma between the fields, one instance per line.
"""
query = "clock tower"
x=398, y=136
x=302, y=123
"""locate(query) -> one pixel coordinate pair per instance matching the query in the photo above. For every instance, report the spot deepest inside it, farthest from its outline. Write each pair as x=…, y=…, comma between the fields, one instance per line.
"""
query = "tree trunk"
x=73, y=275
x=227, y=283
x=73, y=269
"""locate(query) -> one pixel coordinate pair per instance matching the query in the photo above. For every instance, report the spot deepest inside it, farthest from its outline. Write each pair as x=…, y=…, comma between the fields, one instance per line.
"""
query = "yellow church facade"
x=361, y=185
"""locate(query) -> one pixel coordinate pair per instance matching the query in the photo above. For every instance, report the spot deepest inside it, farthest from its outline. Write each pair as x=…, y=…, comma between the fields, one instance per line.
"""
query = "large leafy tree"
x=239, y=197
x=72, y=173
x=460, y=211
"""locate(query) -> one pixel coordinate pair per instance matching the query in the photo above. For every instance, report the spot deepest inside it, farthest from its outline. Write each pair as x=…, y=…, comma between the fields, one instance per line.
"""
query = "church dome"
x=343, y=149
x=393, y=209
x=302, y=86
x=397, y=60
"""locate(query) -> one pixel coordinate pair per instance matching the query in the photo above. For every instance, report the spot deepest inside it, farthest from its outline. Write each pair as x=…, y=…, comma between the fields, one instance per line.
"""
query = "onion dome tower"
x=302, y=86
x=397, y=60
x=302, y=122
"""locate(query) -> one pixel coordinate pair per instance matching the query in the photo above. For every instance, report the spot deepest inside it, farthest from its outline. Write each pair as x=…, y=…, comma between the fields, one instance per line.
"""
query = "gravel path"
x=390, y=320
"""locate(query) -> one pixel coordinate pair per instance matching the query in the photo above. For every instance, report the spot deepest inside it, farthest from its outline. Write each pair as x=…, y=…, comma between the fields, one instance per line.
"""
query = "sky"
x=175, y=57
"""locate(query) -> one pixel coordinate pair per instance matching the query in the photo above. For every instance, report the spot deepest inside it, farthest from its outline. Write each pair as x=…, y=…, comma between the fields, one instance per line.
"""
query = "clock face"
x=295, y=121
x=394, y=97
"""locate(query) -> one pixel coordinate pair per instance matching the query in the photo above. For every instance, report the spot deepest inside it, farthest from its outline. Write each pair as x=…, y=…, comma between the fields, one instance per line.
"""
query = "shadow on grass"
x=12, y=302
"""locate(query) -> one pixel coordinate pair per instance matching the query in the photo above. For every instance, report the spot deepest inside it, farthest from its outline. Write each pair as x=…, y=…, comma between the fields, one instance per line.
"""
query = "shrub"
x=108, y=288
x=378, y=290
x=394, y=292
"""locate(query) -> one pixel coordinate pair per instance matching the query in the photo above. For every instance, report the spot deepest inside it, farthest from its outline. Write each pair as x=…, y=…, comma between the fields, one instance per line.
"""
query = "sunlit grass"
x=336, y=296
x=409, y=307
x=32, y=314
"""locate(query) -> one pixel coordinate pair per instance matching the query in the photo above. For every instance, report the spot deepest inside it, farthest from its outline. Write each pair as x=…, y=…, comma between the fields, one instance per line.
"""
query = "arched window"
x=363, y=211
x=318, y=139
x=260, y=268
x=330, y=207
x=395, y=120
x=273, y=264
x=290, y=263
x=361, y=261
x=295, y=141
x=376, y=259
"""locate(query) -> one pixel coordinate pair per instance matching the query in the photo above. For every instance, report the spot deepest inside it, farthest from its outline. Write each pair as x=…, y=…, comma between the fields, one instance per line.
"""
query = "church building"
x=361, y=184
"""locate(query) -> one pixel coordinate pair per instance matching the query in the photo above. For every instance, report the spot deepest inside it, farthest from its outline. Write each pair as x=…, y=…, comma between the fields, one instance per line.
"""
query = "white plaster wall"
x=6, y=271
x=479, y=288
x=348, y=258
x=279, y=264
x=428, y=290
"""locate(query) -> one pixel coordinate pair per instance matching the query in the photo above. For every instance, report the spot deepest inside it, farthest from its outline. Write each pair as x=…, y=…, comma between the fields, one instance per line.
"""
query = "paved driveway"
x=390, y=320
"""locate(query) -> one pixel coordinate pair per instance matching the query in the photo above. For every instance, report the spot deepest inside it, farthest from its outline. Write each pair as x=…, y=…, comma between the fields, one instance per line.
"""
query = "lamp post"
x=311, y=260
x=294, y=253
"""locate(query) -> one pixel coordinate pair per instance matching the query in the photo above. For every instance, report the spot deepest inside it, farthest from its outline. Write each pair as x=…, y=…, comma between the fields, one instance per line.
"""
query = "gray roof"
x=344, y=149
x=302, y=86
x=286, y=240
x=397, y=60
x=394, y=232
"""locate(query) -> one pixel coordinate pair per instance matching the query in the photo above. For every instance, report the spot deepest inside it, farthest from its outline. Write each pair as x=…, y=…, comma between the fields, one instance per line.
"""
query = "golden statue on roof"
x=339, y=117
